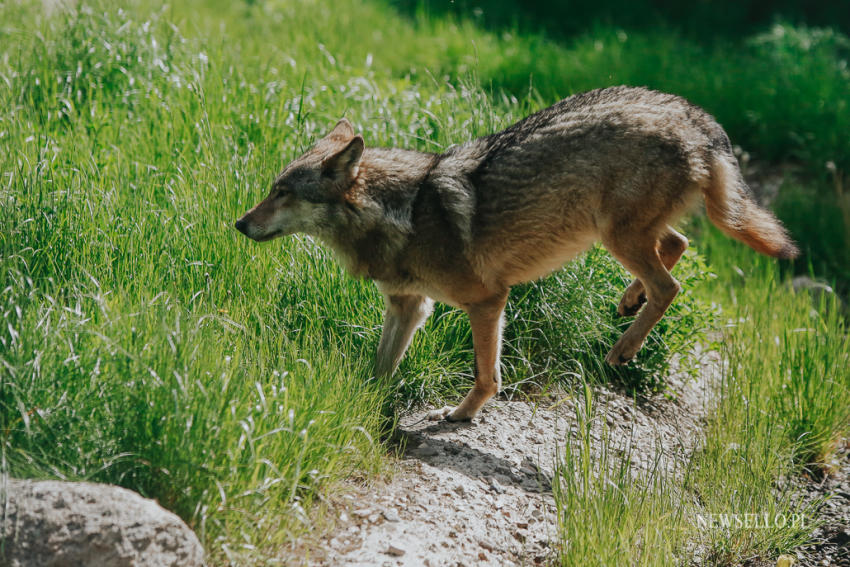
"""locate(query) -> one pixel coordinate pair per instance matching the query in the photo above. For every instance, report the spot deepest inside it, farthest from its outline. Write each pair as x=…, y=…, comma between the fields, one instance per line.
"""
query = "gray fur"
x=617, y=165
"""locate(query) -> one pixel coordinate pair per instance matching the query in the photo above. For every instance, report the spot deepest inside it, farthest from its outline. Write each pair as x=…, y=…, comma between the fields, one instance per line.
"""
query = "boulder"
x=55, y=523
x=814, y=287
x=817, y=290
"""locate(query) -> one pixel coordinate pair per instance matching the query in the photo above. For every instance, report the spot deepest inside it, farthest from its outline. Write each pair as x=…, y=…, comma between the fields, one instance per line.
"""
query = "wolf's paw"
x=621, y=354
x=447, y=413
x=630, y=304
x=440, y=414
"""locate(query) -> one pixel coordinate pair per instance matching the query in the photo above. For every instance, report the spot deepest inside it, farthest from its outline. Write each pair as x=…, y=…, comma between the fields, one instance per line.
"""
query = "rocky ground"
x=480, y=493
x=832, y=540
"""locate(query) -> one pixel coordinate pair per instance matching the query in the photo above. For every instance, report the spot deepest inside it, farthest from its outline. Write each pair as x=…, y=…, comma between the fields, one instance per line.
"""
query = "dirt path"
x=481, y=494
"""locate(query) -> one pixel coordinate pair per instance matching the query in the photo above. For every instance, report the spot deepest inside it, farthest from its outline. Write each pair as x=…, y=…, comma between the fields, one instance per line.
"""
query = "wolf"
x=618, y=165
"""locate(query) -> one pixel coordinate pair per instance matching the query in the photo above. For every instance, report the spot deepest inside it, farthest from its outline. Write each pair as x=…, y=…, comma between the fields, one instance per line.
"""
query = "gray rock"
x=424, y=450
x=55, y=523
x=816, y=288
x=818, y=291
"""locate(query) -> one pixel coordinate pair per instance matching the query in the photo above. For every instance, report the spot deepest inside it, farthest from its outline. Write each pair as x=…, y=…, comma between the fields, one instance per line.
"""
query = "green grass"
x=780, y=411
x=821, y=221
x=146, y=343
x=609, y=513
x=704, y=22
x=782, y=407
x=787, y=351
x=565, y=324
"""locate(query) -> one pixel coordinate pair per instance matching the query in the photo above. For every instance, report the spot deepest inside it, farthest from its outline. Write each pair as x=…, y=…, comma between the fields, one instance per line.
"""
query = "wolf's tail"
x=731, y=208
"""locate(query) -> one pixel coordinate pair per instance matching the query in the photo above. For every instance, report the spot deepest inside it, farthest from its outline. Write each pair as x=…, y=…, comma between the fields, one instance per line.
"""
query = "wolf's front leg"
x=485, y=319
x=404, y=314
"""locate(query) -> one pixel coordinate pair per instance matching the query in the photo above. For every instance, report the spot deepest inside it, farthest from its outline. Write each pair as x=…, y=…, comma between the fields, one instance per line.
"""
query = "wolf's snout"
x=242, y=226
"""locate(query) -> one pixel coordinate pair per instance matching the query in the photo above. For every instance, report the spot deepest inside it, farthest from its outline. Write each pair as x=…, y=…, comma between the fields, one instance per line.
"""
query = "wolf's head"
x=310, y=194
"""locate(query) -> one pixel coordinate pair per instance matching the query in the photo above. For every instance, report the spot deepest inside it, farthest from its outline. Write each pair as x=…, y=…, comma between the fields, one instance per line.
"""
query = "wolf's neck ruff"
x=382, y=199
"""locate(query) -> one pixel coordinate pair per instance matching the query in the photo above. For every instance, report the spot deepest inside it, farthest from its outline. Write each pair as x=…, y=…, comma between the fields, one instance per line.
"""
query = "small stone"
x=362, y=513
x=425, y=450
x=486, y=544
x=391, y=515
x=502, y=479
x=395, y=551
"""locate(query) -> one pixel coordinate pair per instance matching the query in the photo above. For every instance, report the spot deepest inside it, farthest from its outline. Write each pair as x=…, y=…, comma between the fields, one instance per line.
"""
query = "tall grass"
x=782, y=405
x=146, y=343
x=703, y=22
x=786, y=350
x=821, y=223
x=780, y=411
x=609, y=513
x=565, y=324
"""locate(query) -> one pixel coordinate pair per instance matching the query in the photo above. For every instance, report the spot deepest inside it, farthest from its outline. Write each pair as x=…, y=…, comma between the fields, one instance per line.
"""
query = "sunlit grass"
x=609, y=512
x=780, y=411
x=782, y=405
x=144, y=342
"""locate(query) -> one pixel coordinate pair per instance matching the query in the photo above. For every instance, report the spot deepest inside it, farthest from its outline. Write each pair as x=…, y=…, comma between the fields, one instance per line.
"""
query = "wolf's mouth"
x=269, y=236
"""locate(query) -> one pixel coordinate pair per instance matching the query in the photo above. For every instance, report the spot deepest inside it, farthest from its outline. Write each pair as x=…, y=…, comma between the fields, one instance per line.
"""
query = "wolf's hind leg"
x=485, y=319
x=640, y=255
x=671, y=246
x=404, y=314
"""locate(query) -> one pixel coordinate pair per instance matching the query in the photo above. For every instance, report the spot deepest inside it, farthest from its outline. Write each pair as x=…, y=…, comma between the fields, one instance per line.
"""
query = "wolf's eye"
x=281, y=191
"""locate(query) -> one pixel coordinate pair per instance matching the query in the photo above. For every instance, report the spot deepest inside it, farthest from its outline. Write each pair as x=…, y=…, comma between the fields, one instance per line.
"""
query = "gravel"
x=831, y=545
x=480, y=493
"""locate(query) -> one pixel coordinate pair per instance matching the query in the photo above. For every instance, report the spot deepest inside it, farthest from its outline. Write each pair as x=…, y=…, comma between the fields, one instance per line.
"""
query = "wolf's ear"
x=343, y=130
x=343, y=164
